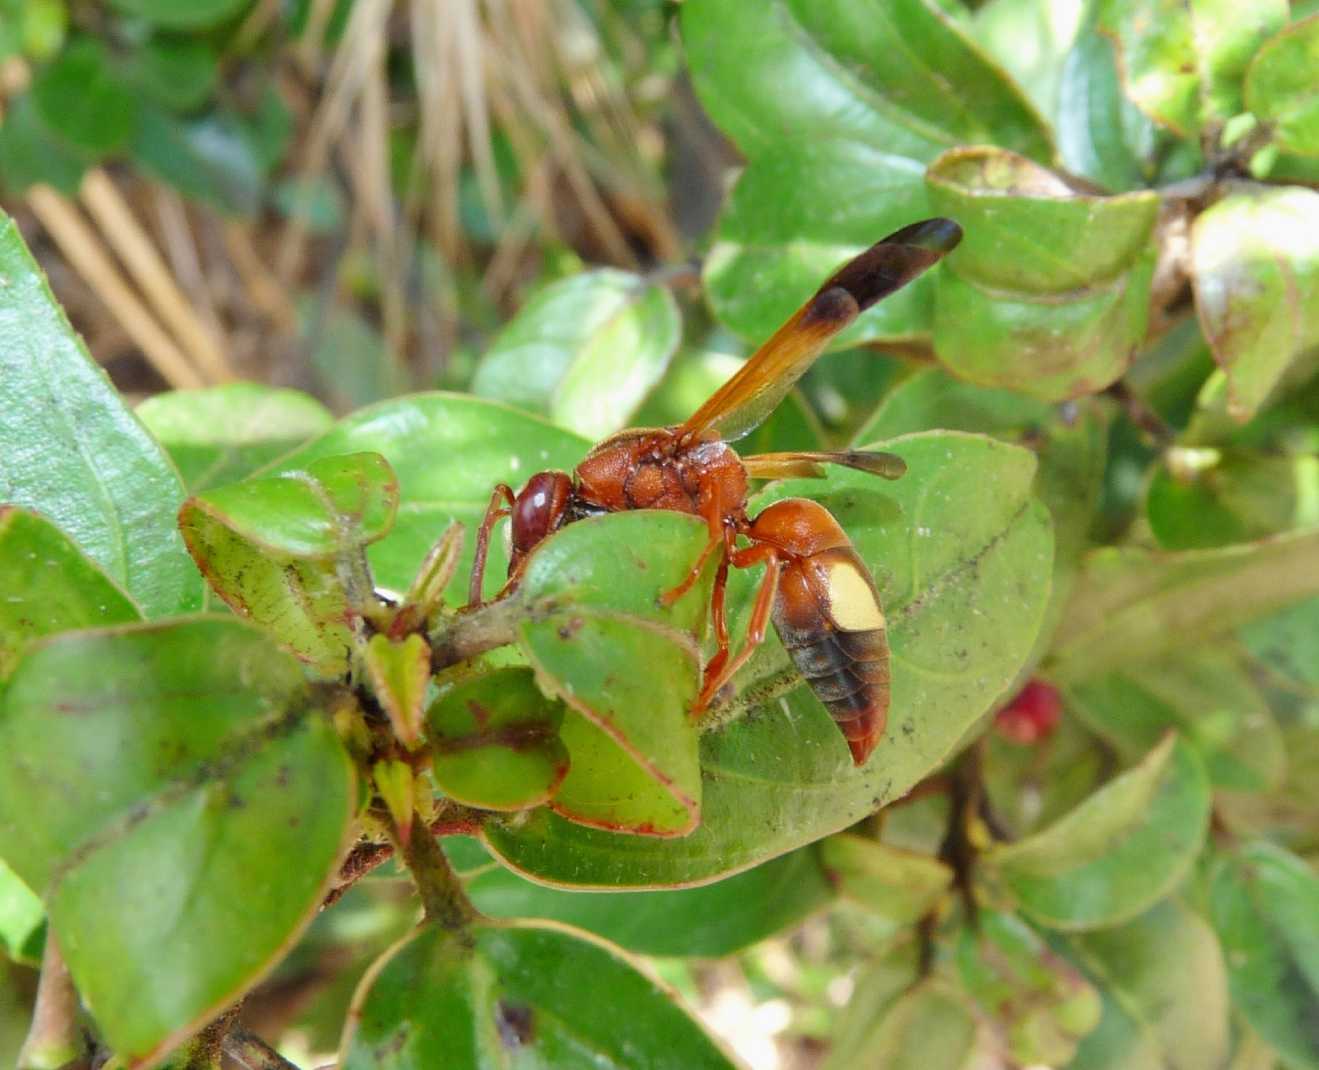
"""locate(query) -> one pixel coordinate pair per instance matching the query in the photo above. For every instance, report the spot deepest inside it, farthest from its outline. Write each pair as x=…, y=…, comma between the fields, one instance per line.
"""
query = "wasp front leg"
x=501, y=502
x=720, y=669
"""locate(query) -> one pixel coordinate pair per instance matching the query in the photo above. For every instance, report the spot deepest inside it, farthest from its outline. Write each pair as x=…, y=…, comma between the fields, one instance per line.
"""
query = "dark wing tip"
x=939, y=235
x=890, y=264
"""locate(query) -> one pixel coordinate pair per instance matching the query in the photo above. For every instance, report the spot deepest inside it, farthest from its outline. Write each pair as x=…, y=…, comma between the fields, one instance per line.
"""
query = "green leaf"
x=166, y=781
x=1204, y=692
x=930, y=1027
x=961, y=555
x=354, y=364
x=21, y=918
x=897, y=75
x=628, y=668
x=933, y=398
x=1132, y=604
x=400, y=671
x=178, y=72
x=1165, y=987
x=275, y=549
x=70, y=450
x=221, y=434
x=1101, y=134
x=333, y=506
x=32, y=154
x=210, y=159
x=1265, y=904
x=877, y=990
x=1048, y=294
x=794, y=216
x=1116, y=854
x=1230, y=498
x=495, y=741
x=448, y=452
x=585, y=351
x=182, y=14
x=81, y=96
x=1228, y=36
x=1255, y=269
x=898, y=885
x=1029, y=39
x=709, y=921
x=50, y=586
x=1042, y=1002
x=517, y=994
x=1280, y=86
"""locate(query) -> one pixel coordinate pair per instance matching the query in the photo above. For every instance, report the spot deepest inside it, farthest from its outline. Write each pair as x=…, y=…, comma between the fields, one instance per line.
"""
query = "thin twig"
x=251, y=1052
x=134, y=246
x=474, y=632
x=54, y=1037
x=82, y=248
x=442, y=896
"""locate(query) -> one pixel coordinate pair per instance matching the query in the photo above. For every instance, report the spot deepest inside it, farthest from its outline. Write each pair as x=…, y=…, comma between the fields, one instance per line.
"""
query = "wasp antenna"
x=939, y=234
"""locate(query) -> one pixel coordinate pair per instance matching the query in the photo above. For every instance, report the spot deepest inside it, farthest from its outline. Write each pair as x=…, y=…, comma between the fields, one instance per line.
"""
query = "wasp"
x=816, y=589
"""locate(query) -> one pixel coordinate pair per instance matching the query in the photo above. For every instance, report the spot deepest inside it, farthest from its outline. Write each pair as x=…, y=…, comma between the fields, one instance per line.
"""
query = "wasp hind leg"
x=721, y=669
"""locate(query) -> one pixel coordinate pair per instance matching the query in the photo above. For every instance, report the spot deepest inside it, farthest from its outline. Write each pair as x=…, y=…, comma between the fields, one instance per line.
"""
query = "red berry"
x=1032, y=715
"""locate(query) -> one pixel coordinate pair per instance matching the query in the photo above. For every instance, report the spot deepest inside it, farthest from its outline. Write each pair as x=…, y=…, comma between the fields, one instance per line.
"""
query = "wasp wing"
x=758, y=387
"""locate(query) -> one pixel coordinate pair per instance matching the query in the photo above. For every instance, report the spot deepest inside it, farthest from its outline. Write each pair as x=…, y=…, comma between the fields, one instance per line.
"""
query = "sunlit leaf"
x=895, y=884
x=1280, y=86
x=584, y=351
x=70, y=449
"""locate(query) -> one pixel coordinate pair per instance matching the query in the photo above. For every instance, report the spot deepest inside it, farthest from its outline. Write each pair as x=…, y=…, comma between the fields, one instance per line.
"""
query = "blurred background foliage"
x=355, y=197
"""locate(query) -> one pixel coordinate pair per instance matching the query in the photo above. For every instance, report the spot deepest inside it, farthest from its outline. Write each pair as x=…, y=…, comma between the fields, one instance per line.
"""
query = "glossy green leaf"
x=1231, y=498
x=448, y=452
x=931, y=398
x=961, y=555
x=1132, y=604
x=182, y=14
x=517, y=995
x=334, y=505
x=1042, y=1002
x=901, y=76
x=798, y=213
x=895, y=884
x=179, y=72
x=71, y=451
x=82, y=96
x=221, y=434
x=1165, y=984
x=1280, y=86
x=211, y=158
x=1101, y=134
x=1203, y=692
x=1117, y=853
x=400, y=670
x=495, y=741
x=709, y=921
x=21, y=918
x=164, y=779
x=1255, y=269
x=628, y=668
x=1049, y=292
x=50, y=586
x=930, y=1027
x=1265, y=904
x=1030, y=40
x=584, y=351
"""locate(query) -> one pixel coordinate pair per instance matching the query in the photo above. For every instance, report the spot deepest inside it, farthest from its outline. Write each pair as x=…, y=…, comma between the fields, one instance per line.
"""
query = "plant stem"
x=469, y=634
x=251, y=1052
x=54, y=1037
x=442, y=895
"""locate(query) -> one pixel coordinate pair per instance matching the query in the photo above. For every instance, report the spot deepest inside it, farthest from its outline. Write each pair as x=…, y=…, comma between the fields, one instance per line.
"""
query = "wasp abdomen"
x=828, y=615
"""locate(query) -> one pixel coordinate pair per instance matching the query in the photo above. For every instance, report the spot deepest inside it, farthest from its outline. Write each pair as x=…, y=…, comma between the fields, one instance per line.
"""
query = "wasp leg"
x=719, y=535
x=717, y=611
x=501, y=501
x=724, y=670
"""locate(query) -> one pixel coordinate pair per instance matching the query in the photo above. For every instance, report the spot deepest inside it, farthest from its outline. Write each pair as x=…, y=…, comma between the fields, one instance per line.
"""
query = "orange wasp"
x=816, y=589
